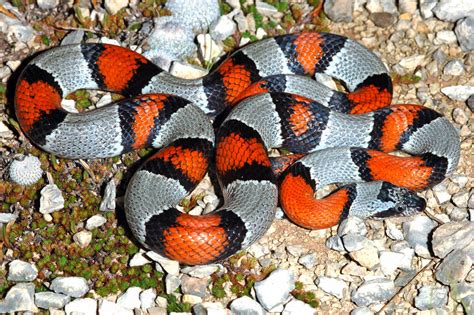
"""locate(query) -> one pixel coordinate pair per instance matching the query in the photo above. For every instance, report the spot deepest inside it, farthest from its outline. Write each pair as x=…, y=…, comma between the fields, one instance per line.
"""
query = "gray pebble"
x=309, y=260
x=458, y=92
x=382, y=19
x=222, y=28
x=454, y=268
x=470, y=103
x=194, y=286
x=296, y=250
x=353, y=242
x=454, y=67
x=49, y=300
x=461, y=198
x=461, y=290
x=451, y=236
x=451, y=11
x=373, y=291
x=468, y=304
x=275, y=289
x=404, y=277
x=108, y=201
x=246, y=305
x=416, y=233
x=203, y=271
x=381, y=6
x=19, y=298
x=71, y=286
x=426, y=8
x=265, y=8
x=430, y=297
x=171, y=283
x=352, y=225
x=339, y=10
x=21, y=271
x=335, y=243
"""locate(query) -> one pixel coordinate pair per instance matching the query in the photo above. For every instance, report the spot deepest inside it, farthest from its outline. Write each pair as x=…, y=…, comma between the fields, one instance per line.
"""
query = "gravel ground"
x=399, y=265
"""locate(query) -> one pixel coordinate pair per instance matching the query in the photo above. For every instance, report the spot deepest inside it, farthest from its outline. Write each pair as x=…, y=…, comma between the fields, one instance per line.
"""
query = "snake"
x=268, y=99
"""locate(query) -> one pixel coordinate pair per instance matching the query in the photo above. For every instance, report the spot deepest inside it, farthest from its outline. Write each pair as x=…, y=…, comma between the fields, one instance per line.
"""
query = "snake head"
x=398, y=201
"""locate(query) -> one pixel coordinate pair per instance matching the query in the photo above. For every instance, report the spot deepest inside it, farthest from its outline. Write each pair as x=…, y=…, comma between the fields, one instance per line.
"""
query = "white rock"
x=416, y=233
x=246, y=305
x=265, y=8
x=147, y=298
x=23, y=271
x=393, y=232
x=222, y=28
x=333, y=286
x=47, y=4
x=71, y=286
x=85, y=306
x=465, y=33
x=362, y=310
x=352, y=225
x=139, y=259
x=441, y=193
x=107, y=307
x=51, y=199
x=95, y=221
x=5, y=132
x=7, y=217
x=381, y=6
x=410, y=63
x=454, y=67
x=297, y=307
x=426, y=8
x=104, y=100
x=431, y=298
x=201, y=272
x=366, y=257
x=49, y=300
x=172, y=283
x=260, y=34
x=19, y=298
x=373, y=291
x=131, y=298
x=390, y=261
x=191, y=299
x=113, y=6
x=108, y=201
x=448, y=10
x=309, y=260
x=209, y=308
x=461, y=199
x=208, y=48
x=407, y=6
x=69, y=105
x=445, y=37
x=25, y=170
x=187, y=71
x=83, y=238
x=274, y=291
x=458, y=92
x=170, y=266
x=339, y=10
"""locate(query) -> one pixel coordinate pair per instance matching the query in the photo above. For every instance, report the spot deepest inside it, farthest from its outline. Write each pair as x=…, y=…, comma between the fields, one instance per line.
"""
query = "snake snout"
x=403, y=202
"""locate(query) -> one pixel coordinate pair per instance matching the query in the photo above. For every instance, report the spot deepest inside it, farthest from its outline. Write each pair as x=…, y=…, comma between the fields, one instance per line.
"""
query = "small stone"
x=390, y=261
x=393, y=232
x=107, y=307
x=454, y=67
x=95, y=221
x=462, y=289
x=352, y=225
x=454, y=268
x=257, y=250
x=139, y=259
x=51, y=199
x=170, y=266
x=265, y=8
x=468, y=304
x=295, y=250
x=208, y=47
x=85, y=306
x=222, y=28
x=451, y=11
x=201, y=271
x=171, y=283
x=7, y=217
x=367, y=257
x=25, y=170
x=275, y=289
x=412, y=62
x=209, y=308
x=373, y=292
x=47, y=4
x=147, y=298
x=191, y=299
x=108, y=201
x=5, y=132
x=452, y=236
x=161, y=301
x=407, y=6
x=246, y=305
x=382, y=19
x=416, y=233
x=458, y=92
x=461, y=118
x=381, y=6
x=470, y=103
x=297, y=307
x=426, y=8
x=19, y=298
x=260, y=34
x=354, y=269
x=187, y=71
x=339, y=10
x=333, y=286
x=83, y=238
x=113, y=6
x=354, y=242
x=194, y=286
x=309, y=260
x=21, y=271
x=445, y=37
x=71, y=286
x=362, y=310
x=441, y=193
x=130, y=299
x=430, y=297
x=335, y=243
x=49, y=300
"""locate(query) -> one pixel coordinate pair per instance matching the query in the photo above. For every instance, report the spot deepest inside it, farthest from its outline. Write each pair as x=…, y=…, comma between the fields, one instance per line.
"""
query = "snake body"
x=269, y=105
